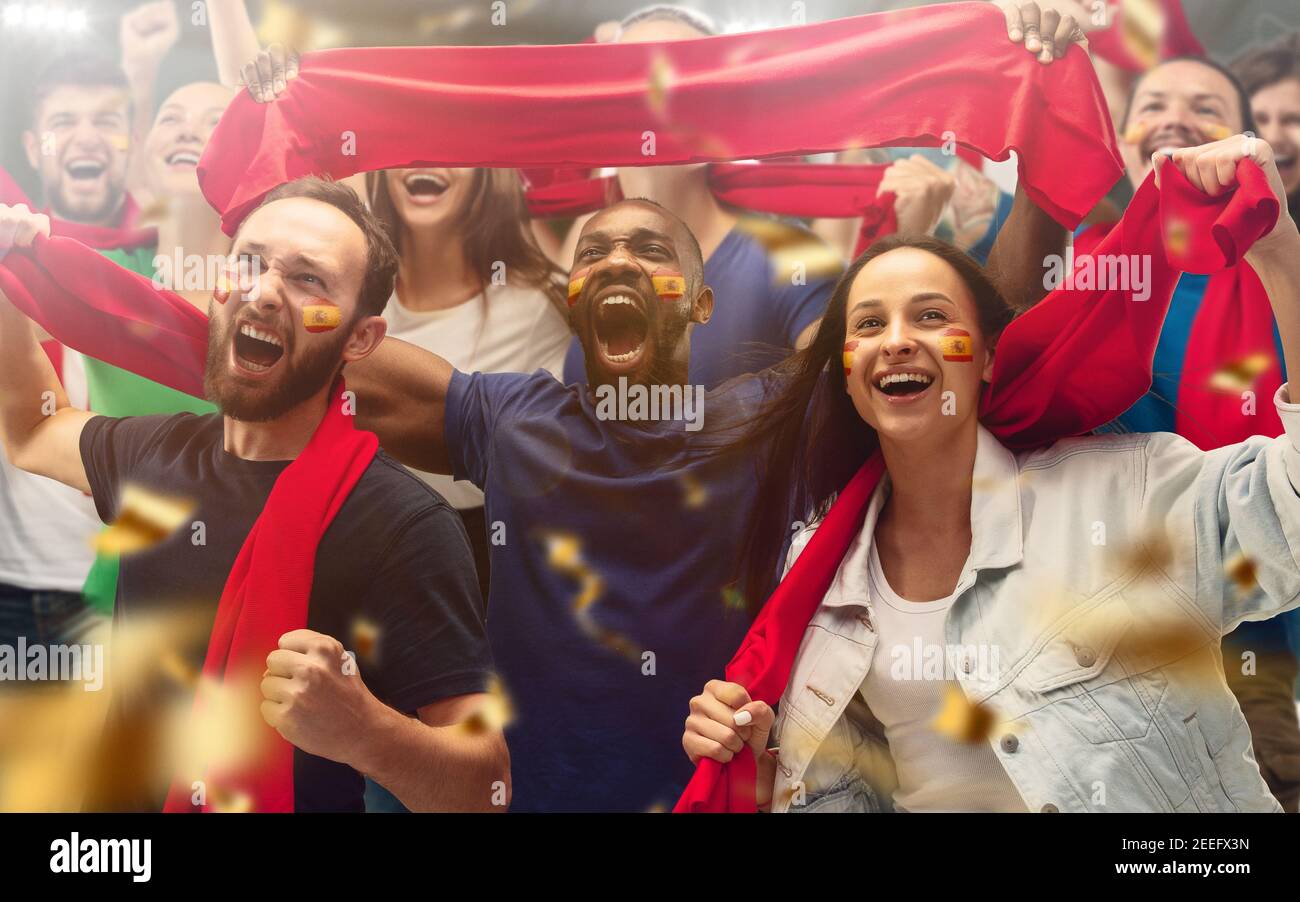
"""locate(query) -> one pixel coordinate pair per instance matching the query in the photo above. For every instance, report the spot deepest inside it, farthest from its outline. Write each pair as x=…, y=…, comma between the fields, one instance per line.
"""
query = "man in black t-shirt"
x=394, y=558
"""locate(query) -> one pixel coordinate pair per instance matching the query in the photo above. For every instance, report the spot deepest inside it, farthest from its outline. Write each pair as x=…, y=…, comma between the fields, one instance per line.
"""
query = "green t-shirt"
x=114, y=392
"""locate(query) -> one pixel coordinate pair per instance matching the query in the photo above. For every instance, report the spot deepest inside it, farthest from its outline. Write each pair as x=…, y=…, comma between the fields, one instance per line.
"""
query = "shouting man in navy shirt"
x=612, y=541
x=395, y=555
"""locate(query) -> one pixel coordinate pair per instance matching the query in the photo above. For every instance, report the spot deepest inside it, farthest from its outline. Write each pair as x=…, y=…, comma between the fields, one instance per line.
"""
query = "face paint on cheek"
x=121, y=143
x=321, y=315
x=956, y=345
x=1136, y=132
x=575, y=284
x=1215, y=131
x=850, y=349
x=668, y=284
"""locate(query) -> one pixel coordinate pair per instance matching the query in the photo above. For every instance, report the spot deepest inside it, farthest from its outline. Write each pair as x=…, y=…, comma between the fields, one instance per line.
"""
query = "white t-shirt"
x=507, y=329
x=904, y=688
x=46, y=527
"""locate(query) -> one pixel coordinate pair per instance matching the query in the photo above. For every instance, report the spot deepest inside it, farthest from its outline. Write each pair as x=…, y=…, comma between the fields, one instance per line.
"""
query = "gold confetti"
x=660, y=83
x=365, y=639
x=1142, y=29
x=1243, y=572
x=696, y=495
x=494, y=714
x=733, y=599
x=1238, y=376
x=1177, y=236
x=962, y=720
x=793, y=251
x=144, y=519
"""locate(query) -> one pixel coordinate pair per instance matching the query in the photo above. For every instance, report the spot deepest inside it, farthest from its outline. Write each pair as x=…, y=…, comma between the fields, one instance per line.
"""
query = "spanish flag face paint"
x=850, y=351
x=321, y=315
x=955, y=344
x=1215, y=131
x=575, y=285
x=668, y=284
x=1136, y=132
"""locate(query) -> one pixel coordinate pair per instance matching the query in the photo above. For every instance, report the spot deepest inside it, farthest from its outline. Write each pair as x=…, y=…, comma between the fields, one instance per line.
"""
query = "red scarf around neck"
x=266, y=596
x=1065, y=367
x=912, y=78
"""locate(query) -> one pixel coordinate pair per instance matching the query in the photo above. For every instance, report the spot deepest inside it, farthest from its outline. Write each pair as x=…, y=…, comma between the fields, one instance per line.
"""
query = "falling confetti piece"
x=365, y=639
x=733, y=599
x=695, y=494
x=494, y=714
x=1238, y=376
x=144, y=519
x=962, y=720
x=1177, y=236
x=660, y=83
x=564, y=554
x=1142, y=29
x=1243, y=572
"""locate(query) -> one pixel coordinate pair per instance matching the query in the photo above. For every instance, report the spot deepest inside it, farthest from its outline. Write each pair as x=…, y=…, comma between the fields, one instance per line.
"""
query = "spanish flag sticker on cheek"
x=955, y=344
x=321, y=315
x=575, y=285
x=669, y=285
x=849, y=348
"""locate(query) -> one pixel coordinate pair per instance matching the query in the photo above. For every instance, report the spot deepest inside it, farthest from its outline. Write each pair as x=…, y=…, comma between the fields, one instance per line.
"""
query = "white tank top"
x=910, y=671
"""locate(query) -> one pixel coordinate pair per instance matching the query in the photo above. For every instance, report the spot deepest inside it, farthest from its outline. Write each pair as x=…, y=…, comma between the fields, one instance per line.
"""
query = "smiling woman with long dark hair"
x=1008, y=631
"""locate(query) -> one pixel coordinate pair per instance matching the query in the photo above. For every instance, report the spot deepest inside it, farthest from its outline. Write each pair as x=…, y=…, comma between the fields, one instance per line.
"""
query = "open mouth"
x=182, y=158
x=903, y=385
x=256, y=349
x=84, y=169
x=424, y=186
x=621, y=328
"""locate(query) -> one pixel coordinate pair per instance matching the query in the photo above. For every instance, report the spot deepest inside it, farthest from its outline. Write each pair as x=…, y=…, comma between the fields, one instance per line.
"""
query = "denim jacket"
x=1103, y=571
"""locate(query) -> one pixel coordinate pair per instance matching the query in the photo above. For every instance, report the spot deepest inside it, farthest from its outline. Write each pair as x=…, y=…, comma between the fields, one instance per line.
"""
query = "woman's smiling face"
x=915, y=356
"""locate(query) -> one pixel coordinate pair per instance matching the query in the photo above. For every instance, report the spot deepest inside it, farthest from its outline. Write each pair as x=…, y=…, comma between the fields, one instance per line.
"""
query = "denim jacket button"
x=1085, y=656
x=1049, y=808
x=1010, y=743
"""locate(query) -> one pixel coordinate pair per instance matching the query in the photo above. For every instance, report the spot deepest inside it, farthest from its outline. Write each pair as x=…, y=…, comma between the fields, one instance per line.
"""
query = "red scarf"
x=930, y=73
x=123, y=236
x=267, y=592
x=787, y=189
x=1233, y=323
x=1068, y=365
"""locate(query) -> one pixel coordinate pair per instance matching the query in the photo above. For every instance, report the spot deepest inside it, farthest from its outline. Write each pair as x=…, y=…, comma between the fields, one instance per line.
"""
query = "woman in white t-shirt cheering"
x=1033, y=631
x=472, y=287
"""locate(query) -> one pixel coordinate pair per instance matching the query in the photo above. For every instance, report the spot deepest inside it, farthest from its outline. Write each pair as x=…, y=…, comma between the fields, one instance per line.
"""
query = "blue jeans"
x=43, y=617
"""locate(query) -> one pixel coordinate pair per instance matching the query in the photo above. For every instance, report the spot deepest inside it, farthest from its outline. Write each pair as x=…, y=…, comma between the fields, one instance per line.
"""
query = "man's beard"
x=259, y=404
x=102, y=212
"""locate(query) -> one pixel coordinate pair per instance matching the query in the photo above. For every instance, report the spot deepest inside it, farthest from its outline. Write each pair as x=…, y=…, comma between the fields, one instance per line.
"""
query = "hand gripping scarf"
x=1231, y=347
x=1067, y=366
x=911, y=78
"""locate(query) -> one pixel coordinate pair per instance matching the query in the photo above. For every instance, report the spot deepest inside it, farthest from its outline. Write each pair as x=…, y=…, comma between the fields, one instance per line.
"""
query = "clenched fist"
x=314, y=697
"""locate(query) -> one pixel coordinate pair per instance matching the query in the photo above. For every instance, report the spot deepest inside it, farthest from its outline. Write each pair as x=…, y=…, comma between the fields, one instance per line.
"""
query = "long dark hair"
x=493, y=221
x=808, y=437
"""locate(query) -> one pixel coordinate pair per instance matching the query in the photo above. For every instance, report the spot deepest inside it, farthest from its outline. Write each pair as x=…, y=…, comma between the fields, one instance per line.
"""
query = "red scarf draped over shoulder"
x=912, y=78
x=1071, y=363
x=266, y=596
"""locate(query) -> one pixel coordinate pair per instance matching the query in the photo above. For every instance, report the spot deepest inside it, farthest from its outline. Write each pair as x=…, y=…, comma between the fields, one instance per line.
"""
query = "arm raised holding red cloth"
x=789, y=91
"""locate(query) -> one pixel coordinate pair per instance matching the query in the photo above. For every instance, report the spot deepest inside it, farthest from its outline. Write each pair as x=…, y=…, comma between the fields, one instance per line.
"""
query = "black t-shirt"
x=394, y=577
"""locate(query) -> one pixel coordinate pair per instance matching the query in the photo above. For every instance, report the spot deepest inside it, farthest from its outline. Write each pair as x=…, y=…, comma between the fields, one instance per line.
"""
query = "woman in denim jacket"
x=1030, y=631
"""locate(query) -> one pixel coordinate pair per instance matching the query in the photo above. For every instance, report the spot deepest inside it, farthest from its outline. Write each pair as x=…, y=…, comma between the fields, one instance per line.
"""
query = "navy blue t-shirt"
x=757, y=315
x=585, y=511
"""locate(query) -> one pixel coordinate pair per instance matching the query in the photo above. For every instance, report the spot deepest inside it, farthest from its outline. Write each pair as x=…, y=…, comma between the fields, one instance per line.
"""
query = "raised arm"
x=402, y=398
x=234, y=41
x=40, y=430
